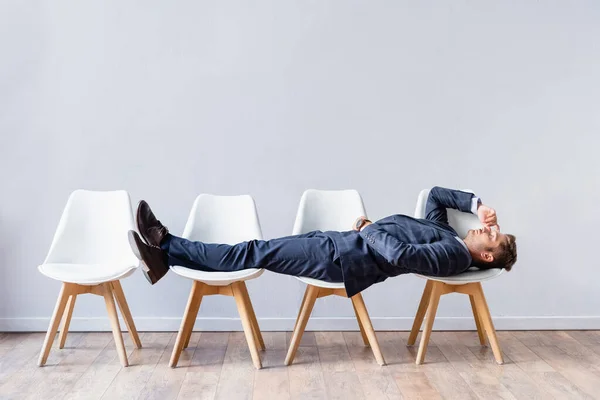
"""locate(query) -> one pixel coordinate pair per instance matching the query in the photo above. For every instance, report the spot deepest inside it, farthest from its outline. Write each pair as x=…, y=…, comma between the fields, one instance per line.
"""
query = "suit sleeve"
x=441, y=198
x=440, y=258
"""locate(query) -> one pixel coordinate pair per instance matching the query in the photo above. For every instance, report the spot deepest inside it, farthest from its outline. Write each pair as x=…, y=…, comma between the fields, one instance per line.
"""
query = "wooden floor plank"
x=483, y=375
x=439, y=379
x=341, y=379
x=94, y=381
x=202, y=376
x=583, y=353
x=416, y=385
x=510, y=375
x=449, y=384
x=333, y=352
x=306, y=375
x=550, y=383
x=591, y=339
x=486, y=385
x=25, y=346
x=521, y=355
x=401, y=358
x=376, y=381
x=308, y=339
x=165, y=382
x=275, y=340
x=55, y=379
x=588, y=338
x=236, y=381
x=30, y=379
x=273, y=381
x=555, y=385
x=328, y=365
x=456, y=352
x=10, y=340
x=537, y=338
x=585, y=379
x=130, y=382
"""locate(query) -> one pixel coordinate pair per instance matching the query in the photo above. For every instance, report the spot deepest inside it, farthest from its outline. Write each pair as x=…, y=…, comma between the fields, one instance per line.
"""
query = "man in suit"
x=370, y=253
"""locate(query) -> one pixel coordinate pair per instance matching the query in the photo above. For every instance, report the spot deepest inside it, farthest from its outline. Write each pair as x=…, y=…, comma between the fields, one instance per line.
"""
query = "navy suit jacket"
x=400, y=244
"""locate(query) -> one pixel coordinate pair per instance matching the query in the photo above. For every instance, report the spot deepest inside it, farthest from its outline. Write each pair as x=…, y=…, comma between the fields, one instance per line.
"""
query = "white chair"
x=90, y=253
x=228, y=220
x=330, y=210
x=468, y=282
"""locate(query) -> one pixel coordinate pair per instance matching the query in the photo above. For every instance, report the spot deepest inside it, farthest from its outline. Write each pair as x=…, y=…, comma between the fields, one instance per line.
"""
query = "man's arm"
x=427, y=259
x=441, y=198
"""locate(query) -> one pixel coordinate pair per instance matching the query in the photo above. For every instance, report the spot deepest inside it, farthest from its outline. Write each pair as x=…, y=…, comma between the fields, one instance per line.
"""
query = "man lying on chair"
x=370, y=253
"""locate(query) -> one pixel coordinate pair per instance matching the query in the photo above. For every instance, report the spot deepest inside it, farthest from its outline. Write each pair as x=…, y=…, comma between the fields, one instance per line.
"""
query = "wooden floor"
x=329, y=365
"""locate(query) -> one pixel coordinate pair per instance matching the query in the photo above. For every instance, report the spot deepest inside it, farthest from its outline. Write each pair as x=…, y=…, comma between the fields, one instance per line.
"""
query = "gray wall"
x=273, y=97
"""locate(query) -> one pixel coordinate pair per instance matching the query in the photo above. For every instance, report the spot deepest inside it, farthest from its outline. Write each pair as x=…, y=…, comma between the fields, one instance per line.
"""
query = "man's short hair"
x=505, y=255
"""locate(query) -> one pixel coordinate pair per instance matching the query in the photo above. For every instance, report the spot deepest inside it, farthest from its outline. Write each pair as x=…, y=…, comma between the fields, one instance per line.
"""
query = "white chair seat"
x=321, y=284
x=217, y=278
x=470, y=276
x=86, y=274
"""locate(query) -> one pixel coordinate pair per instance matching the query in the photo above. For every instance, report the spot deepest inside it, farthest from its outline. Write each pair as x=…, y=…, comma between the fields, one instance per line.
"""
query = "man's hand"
x=488, y=217
x=356, y=223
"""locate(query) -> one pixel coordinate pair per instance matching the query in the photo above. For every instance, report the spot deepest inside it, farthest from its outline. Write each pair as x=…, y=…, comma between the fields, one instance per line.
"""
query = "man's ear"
x=487, y=257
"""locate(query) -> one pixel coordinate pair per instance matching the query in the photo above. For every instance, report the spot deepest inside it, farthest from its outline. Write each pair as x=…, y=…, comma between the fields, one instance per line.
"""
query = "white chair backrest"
x=93, y=230
x=223, y=219
x=460, y=221
x=328, y=210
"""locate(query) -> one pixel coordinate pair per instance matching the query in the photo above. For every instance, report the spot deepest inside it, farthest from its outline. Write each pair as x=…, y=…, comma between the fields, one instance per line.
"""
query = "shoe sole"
x=133, y=243
x=147, y=277
x=136, y=251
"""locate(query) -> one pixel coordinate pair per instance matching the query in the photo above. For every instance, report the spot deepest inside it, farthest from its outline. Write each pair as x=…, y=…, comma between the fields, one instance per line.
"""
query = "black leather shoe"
x=154, y=260
x=149, y=227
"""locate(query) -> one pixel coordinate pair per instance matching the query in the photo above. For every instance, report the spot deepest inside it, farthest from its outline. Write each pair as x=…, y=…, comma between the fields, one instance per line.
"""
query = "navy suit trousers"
x=311, y=255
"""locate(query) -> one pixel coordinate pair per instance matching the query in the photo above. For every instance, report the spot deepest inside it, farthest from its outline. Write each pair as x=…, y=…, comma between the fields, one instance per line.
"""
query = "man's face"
x=485, y=239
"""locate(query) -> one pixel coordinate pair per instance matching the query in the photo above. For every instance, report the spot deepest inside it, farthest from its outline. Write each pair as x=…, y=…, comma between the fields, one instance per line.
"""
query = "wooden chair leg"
x=187, y=322
x=255, y=328
x=312, y=292
x=360, y=326
x=193, y=315
x=363, y=317
x=434, y=299
x=477, y=318
x=238, y=294
x=414, y=332
x=301, y=305
x=126, y=313
x=59, y=309
x=64, y=329
x=486, y=320
x=114, y=322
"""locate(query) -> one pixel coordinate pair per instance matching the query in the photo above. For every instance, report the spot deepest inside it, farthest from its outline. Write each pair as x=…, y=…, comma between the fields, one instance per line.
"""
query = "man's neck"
x=474, y=254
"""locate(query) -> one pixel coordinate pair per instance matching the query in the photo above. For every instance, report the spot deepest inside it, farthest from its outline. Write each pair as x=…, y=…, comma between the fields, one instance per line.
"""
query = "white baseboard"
x=315, y=324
